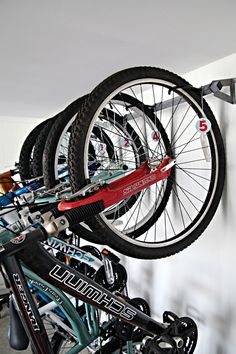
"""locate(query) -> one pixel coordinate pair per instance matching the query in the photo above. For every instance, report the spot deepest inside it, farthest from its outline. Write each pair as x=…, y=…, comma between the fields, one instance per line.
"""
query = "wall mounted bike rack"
x=214, y=88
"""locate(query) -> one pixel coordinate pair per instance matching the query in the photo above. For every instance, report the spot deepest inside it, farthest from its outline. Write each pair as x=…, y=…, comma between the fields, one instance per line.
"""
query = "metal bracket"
x=214, y=87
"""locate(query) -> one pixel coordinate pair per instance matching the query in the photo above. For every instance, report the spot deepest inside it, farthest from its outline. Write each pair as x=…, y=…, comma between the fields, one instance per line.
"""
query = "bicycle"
x=123, y=100
x=177, y=335
x=165, y=217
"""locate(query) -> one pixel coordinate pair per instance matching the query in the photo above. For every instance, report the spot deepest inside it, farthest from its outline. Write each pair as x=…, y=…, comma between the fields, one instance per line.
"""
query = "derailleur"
x=180, y=337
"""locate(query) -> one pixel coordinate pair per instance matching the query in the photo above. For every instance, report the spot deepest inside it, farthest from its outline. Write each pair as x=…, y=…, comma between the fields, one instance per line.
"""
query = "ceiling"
x=53, y=51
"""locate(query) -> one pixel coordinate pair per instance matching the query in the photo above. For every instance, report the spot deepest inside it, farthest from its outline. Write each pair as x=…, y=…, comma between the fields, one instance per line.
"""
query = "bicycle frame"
x=122, y=188
x=84, y=334
x=8, y=198
x=59, y=275
x=52, y=271
x=26, y=306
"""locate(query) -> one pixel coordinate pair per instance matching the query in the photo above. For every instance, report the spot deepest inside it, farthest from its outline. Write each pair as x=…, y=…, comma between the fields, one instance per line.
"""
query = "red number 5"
x=202, y=125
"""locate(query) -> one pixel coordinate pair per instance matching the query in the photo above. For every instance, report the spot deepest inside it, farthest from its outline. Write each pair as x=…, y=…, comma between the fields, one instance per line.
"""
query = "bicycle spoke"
x=194, y=174
x=181, y=169
x=173, y=143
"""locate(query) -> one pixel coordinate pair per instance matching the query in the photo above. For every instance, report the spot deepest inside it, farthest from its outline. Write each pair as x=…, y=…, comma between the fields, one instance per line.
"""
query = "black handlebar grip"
x=56, y=213
x=77, y=215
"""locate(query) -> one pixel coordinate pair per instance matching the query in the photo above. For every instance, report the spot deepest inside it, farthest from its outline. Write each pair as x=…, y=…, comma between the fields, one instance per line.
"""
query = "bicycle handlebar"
x=22, y=241
x=70, y=218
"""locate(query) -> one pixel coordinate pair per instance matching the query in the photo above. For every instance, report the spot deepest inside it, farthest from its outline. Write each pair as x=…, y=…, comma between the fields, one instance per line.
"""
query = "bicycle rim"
x=195, y=177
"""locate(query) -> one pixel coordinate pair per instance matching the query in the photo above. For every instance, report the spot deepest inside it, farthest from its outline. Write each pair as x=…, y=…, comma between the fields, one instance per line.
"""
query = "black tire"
x=59, y=127
x=139, y=156
x=37, y=162
x=54, y=137
x=192, y=227
x=25, y=158
x=45, y=152
x=41, y=140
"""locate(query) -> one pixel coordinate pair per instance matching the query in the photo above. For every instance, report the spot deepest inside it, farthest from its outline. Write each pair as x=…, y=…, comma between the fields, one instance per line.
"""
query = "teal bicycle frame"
x=86, y=330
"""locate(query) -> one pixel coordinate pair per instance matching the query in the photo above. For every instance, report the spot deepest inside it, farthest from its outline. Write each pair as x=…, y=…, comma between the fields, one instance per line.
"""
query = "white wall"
x=200, y=281
x=13, y=131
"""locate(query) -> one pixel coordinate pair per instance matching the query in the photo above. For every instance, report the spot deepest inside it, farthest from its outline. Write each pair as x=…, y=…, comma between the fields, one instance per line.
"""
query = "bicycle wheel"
x=62, y=342
x=56, y=145
x=52, y=157
x=120, y=160
x=55, y=154
x=131, y=153
x=101, y=155
x=26, y=153
x=196, y=182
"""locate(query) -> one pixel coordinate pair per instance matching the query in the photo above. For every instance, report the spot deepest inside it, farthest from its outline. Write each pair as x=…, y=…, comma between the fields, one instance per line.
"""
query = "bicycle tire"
x=112, y=347
x=58, y=129
x=25, y=159
x=44, y=157
x=52, y=146
x=55, y=138
x=176, y=86
x=37, y=161
x=138, y=157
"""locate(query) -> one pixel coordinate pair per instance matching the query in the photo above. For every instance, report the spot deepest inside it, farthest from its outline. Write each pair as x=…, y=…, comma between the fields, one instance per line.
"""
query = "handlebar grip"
x=22, y=241
x=77, y=215
x=56, y=212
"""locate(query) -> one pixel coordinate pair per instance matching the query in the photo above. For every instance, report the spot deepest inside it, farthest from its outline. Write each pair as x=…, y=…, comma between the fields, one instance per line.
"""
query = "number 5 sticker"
x=203, y=125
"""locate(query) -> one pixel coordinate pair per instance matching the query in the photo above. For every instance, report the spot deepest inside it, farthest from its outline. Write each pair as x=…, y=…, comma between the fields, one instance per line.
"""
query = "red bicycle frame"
x=124, y=187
